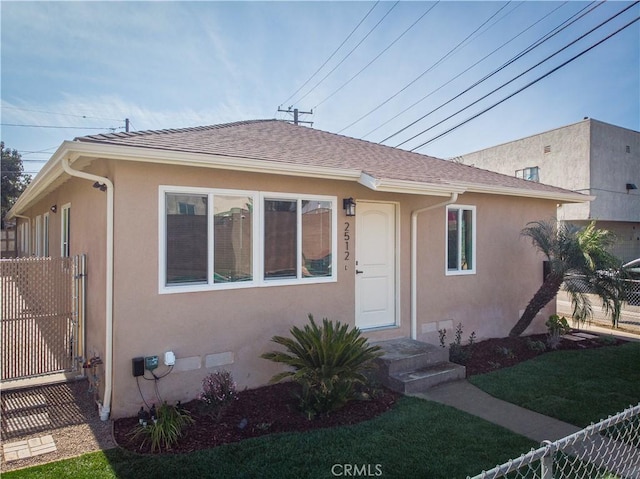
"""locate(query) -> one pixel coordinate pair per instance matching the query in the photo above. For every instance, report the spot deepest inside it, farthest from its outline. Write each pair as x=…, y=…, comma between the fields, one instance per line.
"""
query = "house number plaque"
x=347, y=238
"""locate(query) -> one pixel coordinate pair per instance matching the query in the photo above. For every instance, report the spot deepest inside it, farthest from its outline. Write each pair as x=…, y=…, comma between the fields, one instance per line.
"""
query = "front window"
x=209, y=239
x=460, y=239
x=186, y=240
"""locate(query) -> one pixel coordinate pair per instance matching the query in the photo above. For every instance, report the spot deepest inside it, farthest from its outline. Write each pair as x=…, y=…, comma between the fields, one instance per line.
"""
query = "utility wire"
x=379, y=54
x=508, y=82
x=333, y=54
x=524, y=52
x=448, y=54
x=62, y=127
x=349, y=54
x=472, y=66
x=61, y=114
x=525, y=86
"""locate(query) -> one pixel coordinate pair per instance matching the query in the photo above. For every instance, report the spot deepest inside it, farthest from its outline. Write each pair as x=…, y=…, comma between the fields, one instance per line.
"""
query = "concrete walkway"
x=466, y=397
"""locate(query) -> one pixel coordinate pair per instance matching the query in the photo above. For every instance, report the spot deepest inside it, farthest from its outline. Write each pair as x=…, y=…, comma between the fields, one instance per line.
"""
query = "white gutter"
x=105, y=406
x=414, y=260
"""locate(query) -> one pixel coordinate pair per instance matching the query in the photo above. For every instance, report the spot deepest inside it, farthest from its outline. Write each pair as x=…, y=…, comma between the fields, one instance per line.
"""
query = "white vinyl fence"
x=609, y=449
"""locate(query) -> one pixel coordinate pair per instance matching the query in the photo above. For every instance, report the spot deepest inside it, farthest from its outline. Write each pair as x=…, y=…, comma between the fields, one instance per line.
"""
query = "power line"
x=503, y=85
x=332, y=55
x=62, y=127
x=472, y=66
x=448, y=54
x=61, y=114
x=525, y=86
x=349, y=54
x=378, y=55
x=524, y=52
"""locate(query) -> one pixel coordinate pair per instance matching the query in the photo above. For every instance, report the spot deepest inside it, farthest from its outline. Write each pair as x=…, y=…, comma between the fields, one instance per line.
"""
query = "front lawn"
x=416, y=438
x=578, y=387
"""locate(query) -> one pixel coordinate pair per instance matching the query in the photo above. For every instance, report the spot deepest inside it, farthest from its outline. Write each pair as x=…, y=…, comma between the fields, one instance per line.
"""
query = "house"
x=589, y=156
x=205, y=242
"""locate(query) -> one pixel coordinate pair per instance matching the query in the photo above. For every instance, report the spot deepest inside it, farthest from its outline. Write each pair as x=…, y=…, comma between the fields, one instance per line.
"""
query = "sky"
x=400, y=73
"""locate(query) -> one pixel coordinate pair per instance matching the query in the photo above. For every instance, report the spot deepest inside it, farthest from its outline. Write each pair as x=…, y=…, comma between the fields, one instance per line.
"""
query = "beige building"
x=205, y=242
x=590, y=156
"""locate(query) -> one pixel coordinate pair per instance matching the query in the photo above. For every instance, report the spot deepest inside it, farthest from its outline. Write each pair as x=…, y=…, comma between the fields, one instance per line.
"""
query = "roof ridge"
x=167, y=131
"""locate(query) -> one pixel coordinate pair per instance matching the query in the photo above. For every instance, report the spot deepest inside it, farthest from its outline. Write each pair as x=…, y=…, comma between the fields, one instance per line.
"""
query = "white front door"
x=375, y=265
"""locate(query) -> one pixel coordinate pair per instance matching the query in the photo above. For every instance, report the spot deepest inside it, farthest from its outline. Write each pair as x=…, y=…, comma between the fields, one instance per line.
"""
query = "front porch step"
x=425, y=378
x=410, y=366
x=404, y=355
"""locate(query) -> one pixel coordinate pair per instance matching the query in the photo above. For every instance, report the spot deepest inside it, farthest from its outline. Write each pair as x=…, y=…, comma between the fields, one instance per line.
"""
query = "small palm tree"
x=578, y=257
x=328, y=361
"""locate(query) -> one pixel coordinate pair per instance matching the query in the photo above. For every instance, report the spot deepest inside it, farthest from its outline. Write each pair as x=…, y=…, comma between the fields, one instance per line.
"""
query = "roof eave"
x=389, y=185
x=559, y=196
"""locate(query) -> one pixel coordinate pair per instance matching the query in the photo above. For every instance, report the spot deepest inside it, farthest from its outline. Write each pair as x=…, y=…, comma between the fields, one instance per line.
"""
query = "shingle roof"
x=281, y=142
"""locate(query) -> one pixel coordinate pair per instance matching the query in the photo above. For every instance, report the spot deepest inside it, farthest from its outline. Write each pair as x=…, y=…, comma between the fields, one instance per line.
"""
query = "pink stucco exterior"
x=231, y=328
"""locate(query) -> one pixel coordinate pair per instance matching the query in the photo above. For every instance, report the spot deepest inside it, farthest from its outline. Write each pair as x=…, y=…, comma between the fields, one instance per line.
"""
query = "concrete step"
x=422, y=379
x=405, y=355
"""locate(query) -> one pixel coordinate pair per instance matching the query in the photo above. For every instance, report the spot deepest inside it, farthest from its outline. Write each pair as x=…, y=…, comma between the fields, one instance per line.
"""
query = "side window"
x=461, y=240
x=65, y=231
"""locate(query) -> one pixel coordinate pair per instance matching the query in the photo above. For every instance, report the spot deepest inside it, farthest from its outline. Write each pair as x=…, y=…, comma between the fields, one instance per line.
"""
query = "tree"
x=14, y=181
x=578, y=257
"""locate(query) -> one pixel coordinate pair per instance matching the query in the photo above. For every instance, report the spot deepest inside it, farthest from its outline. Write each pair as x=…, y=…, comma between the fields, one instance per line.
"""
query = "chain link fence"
x=609, y=449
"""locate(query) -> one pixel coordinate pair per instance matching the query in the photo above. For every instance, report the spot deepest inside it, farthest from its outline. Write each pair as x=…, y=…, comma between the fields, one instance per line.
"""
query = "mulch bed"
x=493, y=354
x=266, y=410
x=273, y=409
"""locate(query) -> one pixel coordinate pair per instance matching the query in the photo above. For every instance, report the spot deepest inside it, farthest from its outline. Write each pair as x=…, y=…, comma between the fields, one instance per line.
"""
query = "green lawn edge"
x=417, y=438
x=578, y=387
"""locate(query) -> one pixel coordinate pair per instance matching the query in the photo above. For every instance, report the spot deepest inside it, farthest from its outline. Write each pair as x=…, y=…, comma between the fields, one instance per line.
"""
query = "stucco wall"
x=508, y=271
x=589, y=156
x=232, y=328
x=88, y=220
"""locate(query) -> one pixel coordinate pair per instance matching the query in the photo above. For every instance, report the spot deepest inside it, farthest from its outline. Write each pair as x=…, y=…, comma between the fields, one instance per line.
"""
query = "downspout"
x=414, y=260
x=105, y=407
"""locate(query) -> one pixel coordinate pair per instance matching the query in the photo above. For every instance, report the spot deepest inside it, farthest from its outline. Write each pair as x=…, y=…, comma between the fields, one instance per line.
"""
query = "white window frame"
x=45, y=235
x=65, y=231
x=38, y=235
x=474, y=221
x=257, y=240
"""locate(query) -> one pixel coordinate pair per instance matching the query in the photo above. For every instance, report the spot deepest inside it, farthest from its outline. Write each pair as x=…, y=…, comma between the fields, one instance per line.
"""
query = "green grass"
x=578, y=387
x=416, y=439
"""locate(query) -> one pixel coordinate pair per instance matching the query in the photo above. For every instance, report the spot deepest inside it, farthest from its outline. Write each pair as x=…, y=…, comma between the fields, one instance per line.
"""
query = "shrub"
x=557, y=326
x=505, y=352
x=218, y=392
x=535, y=345
x=165, y=430
x=328, y=362
x=457, y=352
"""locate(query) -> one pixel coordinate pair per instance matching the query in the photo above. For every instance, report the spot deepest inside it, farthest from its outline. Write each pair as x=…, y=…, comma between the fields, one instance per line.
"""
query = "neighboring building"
x=209, y=241
x=590, y=156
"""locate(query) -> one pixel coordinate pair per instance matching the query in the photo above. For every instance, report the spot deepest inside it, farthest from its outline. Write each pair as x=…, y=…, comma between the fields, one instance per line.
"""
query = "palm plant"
x=328, y=361
x=578, y=257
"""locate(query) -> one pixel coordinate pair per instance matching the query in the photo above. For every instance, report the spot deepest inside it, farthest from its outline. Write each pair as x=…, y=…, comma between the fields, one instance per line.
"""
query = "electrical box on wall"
x=151, y=363
x=169, y=358
x=137, y=367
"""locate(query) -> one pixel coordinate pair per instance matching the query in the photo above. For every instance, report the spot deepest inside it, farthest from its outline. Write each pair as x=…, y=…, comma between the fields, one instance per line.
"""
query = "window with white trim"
x=45, y=236
x=65, y=231
x=461, y=240
x=219, y=239
x=38, y=235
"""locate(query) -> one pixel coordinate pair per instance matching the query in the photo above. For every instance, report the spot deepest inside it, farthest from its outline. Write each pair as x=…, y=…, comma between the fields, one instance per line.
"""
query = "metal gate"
x=42, y=316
